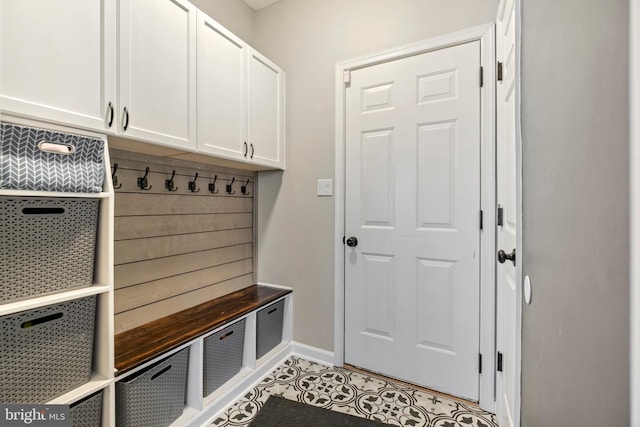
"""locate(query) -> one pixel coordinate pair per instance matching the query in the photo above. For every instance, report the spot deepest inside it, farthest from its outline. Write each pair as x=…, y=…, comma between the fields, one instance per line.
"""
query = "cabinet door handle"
x=246, y=149
x=111, y=114
x=126, y=117
x=252, y=151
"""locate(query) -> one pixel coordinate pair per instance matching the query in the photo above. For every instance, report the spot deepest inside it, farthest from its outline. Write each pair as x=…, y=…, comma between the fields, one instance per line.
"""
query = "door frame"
x=485, y=34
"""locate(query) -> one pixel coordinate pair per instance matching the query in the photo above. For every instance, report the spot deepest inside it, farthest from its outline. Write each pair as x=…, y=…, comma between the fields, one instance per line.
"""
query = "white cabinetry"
x=222, y=93
x=240, y=99
x=157, y=71
x=57, y=61
x=266, y=112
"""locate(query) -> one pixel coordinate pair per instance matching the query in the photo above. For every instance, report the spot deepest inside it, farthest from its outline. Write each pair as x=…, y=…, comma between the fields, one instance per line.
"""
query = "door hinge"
x=500, y=216
x=346, y=77
x=480, y=363
x=481, y=76
x=481, y=220
x=499, y=71
x=499, y=362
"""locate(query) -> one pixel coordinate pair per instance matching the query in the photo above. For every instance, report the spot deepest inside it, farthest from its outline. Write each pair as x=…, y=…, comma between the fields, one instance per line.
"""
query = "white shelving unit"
x=103, y=356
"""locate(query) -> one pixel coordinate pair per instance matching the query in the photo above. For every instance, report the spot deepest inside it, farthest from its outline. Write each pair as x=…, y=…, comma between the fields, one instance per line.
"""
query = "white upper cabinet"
x=266, y=112
x=222, y=94
x=157, y=72
x=57, y=61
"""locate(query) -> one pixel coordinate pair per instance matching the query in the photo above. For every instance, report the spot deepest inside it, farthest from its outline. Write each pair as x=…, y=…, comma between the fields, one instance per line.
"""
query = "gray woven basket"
x=27, y=162
x=154, y=396
x=46, y=352
x=87, y=412
x=46, y=245
x=269, y=328
x=223, y=356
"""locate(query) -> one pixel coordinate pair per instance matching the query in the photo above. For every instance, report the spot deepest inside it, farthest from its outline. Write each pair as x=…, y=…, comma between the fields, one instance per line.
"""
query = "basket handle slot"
x=40, y=320
x=272, y=310
x=55, y=148
x=42, y=211
x=157, y=374
x=228, y=334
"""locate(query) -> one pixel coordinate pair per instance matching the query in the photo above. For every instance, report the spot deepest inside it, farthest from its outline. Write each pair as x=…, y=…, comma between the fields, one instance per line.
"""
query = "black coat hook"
x=192, y=184
x=243, y=188
x=169, y=184
x=143, y=183
x=230, y=189
x=114, y=178
x=212, y=186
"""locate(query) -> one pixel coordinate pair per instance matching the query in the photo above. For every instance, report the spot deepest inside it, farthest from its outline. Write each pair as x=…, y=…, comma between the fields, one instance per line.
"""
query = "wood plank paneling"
x=178, y=249
x=137, y=227
x=155, y=269
x=141, y=315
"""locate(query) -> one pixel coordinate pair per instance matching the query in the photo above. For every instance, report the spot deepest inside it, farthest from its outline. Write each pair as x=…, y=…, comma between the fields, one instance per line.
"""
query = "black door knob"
x=502, y=256
x=352, y=241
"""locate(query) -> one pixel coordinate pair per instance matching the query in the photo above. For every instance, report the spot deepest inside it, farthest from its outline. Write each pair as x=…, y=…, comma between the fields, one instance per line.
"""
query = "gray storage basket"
x=46, y=245
x=154, y=396
x=87, y=412
x=25, y=166
x=269, y=328
x=223, y=356
x=47, y=351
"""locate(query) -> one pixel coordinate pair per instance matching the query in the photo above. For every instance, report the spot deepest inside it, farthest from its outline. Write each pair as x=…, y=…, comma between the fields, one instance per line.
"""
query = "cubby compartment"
x=47, y=351
x=223, y=353
x=87, y=412
x=37, y=159
x=269, y=328
x=155, y=395
x=47, y=244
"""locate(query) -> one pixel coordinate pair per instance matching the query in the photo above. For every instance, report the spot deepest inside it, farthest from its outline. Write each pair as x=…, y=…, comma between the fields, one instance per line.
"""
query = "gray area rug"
x=280, y=412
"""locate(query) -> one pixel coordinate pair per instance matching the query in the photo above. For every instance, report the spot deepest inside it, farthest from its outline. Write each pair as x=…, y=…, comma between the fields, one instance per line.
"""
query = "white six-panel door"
x=506, y=279
x=413, y=201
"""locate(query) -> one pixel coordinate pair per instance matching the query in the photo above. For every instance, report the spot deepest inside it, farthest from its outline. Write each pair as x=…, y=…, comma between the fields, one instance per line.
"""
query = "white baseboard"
x=313, y=354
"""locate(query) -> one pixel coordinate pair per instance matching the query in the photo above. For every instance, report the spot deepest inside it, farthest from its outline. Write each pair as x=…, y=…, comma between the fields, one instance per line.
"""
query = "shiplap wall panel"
x=135, y=227
x=154, y=269
x=132, y=318
x=175, y=250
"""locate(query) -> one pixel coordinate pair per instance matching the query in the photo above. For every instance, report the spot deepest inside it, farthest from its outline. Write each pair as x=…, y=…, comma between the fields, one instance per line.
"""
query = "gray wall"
x=235, y=15
x=576, y=212
x=307, y=38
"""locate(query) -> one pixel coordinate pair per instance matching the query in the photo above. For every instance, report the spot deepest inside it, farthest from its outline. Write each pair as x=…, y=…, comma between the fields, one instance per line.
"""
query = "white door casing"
x=484, y=34
x=413, y=201
x=507, y=278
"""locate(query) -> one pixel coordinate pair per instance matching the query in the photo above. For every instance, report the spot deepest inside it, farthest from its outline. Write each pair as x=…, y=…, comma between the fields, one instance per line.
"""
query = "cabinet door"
x=57, y=61
x=222, y=119
x=266, y=112
x=157, y=72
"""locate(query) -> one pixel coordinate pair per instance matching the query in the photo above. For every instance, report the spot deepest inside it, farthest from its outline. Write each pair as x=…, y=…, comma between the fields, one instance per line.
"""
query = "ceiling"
x=259, y=4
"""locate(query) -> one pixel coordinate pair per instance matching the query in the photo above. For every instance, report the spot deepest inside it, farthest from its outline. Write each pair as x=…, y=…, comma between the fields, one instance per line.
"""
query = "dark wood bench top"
x=146, y=342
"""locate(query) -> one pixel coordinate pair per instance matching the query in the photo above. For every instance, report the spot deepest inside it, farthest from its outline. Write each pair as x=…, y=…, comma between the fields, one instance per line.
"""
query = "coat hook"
x=230, y=190
x=169, y=184
x=212, y=186
x=243, y=189
x=192, y=184
x=114, y=178
x=143, y=183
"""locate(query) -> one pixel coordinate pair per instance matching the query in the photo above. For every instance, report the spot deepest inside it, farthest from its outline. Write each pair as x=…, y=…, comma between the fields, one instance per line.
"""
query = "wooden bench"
x=146, y=342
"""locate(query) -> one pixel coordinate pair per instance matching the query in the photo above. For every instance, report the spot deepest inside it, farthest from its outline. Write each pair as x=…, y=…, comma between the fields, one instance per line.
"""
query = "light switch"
x=325, y=187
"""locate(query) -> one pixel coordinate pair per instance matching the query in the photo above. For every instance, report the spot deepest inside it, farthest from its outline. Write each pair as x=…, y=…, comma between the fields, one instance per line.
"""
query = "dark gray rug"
x=280, y=412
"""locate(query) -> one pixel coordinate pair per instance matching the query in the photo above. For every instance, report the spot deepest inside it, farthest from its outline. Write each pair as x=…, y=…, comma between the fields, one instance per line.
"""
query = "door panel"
x=506, y=279
x=413, y=199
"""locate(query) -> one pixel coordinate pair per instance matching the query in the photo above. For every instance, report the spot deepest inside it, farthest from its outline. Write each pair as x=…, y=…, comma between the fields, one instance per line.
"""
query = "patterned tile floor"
x=354, y=393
